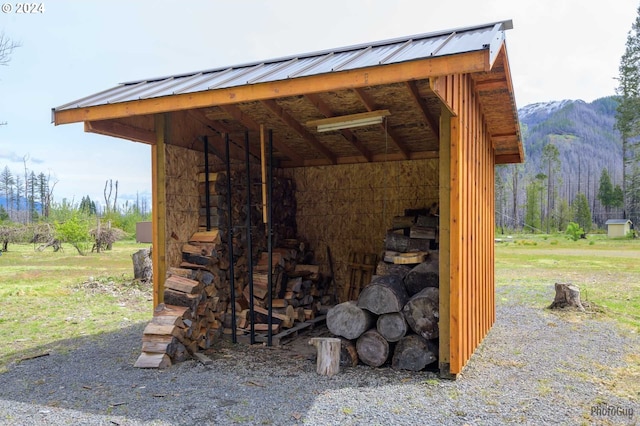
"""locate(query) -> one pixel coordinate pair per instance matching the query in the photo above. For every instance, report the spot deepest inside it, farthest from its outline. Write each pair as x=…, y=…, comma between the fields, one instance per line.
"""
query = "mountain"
x=583, y=132
x=587, y=142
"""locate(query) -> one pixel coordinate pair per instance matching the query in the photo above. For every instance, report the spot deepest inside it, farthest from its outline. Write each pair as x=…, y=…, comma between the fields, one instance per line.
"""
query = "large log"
x=373, y=349
x=392, y=326
x=421, y=313
x=383, y=295
x=348, y=353
x=426, y=274
x=414, y=353
x=348, y=320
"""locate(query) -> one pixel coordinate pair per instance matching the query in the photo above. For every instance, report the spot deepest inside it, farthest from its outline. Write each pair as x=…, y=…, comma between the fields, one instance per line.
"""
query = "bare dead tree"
x=107, y=196
x=7, y=46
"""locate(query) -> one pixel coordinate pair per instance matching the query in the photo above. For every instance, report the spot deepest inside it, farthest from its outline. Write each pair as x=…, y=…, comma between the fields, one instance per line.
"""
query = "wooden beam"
x=248, y=122
x=118, y=130
x=491, y=85
x=286, y=118
x=218, y=129
x=509, y=159
x=422, y=106
x=346, y=133
x=158, y=209
x=376, y=158
x=469, y=62
x=395, y=138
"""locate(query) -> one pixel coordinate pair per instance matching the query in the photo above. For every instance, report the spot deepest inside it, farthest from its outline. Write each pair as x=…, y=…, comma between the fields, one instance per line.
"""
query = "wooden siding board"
x=472, y=283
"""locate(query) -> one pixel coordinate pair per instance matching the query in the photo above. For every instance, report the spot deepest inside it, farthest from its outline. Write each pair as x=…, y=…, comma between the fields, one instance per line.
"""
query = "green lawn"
x=47, y=298
x=607, y=271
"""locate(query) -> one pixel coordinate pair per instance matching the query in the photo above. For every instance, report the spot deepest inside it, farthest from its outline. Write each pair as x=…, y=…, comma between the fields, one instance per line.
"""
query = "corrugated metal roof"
x=450, y=42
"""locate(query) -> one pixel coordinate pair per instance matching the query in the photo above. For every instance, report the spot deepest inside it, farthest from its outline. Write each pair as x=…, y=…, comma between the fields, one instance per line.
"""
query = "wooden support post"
x=158, y=187
x=263, y=166
x=328, y=348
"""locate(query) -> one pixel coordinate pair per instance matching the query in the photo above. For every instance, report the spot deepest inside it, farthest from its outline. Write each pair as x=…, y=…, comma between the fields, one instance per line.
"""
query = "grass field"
x=48, y=300
x=607, y=271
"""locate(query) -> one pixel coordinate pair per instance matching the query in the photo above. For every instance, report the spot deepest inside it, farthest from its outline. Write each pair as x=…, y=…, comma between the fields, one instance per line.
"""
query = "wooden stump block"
x=328, y=361
x=567, y=296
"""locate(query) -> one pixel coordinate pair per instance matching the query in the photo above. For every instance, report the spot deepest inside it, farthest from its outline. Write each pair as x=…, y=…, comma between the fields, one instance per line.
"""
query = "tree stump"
x=328, y=361
x=567, y=296
x=142, y=265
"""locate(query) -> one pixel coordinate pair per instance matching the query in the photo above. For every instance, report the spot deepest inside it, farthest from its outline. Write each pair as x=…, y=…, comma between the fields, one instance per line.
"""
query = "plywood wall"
x=350, y=207
x=182, y=199
x=471, y=258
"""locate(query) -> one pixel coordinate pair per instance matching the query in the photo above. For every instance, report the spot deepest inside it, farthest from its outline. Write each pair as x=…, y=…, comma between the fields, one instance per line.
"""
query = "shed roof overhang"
x=289, y=95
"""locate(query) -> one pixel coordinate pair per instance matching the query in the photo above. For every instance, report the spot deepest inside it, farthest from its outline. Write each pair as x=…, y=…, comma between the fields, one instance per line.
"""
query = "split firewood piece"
x=153, y=360
x=185, y=285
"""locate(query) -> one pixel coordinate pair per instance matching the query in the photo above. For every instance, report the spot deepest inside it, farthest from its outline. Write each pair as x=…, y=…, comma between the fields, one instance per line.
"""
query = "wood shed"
x=364, y=133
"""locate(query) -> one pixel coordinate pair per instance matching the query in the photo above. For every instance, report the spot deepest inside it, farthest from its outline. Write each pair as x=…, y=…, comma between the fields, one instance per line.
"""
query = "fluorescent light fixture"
x=349, y=121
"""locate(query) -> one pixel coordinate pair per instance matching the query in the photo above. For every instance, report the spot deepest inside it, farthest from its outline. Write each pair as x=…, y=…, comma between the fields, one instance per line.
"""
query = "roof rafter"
x=371, y=106
x=286, y=118
x=249, y=123
x=422, y=106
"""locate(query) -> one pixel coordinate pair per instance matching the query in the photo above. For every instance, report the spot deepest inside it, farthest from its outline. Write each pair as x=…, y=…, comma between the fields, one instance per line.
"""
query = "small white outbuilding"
x=618, y=227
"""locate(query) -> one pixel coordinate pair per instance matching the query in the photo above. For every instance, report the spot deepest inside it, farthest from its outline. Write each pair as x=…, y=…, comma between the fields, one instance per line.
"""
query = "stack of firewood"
x=412, y=235
x=197, y=305
x=395, y=318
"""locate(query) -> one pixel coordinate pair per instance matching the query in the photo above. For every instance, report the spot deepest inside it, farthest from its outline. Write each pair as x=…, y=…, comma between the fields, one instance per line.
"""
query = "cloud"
x=15, y=158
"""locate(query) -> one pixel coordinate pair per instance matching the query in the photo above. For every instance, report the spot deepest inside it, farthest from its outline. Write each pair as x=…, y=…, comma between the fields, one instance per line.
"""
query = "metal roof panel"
x=347, y=58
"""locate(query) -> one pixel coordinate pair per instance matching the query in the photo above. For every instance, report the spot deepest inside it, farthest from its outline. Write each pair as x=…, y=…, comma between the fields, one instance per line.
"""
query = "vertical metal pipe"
x=232, y=284
x=207, y=184
x=249, y=243
x=270, y=238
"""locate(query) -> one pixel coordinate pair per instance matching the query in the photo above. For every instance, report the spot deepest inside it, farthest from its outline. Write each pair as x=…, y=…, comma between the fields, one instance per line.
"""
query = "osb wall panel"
x=472, y=281
x=350, y=207
x=182, y=199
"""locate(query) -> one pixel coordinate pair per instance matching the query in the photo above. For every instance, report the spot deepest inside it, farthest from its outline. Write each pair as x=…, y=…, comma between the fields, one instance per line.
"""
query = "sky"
x=558, y=49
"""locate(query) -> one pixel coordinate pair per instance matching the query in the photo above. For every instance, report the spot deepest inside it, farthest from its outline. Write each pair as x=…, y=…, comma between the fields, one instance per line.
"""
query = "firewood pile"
x=197, y=306
x=395, y=317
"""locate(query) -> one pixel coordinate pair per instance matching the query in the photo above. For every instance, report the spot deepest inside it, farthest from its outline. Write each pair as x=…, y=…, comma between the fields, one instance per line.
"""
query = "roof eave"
x=468, y=62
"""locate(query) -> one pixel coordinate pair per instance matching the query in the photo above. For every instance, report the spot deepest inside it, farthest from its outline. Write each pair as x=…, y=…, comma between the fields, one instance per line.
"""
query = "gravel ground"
x=534, y=367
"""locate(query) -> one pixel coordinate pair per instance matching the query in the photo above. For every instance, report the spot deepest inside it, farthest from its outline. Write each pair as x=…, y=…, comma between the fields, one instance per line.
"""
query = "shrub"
x=574, y=231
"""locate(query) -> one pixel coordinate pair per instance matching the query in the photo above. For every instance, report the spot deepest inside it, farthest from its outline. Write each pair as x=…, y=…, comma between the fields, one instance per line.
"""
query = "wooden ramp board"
x=288, y=334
